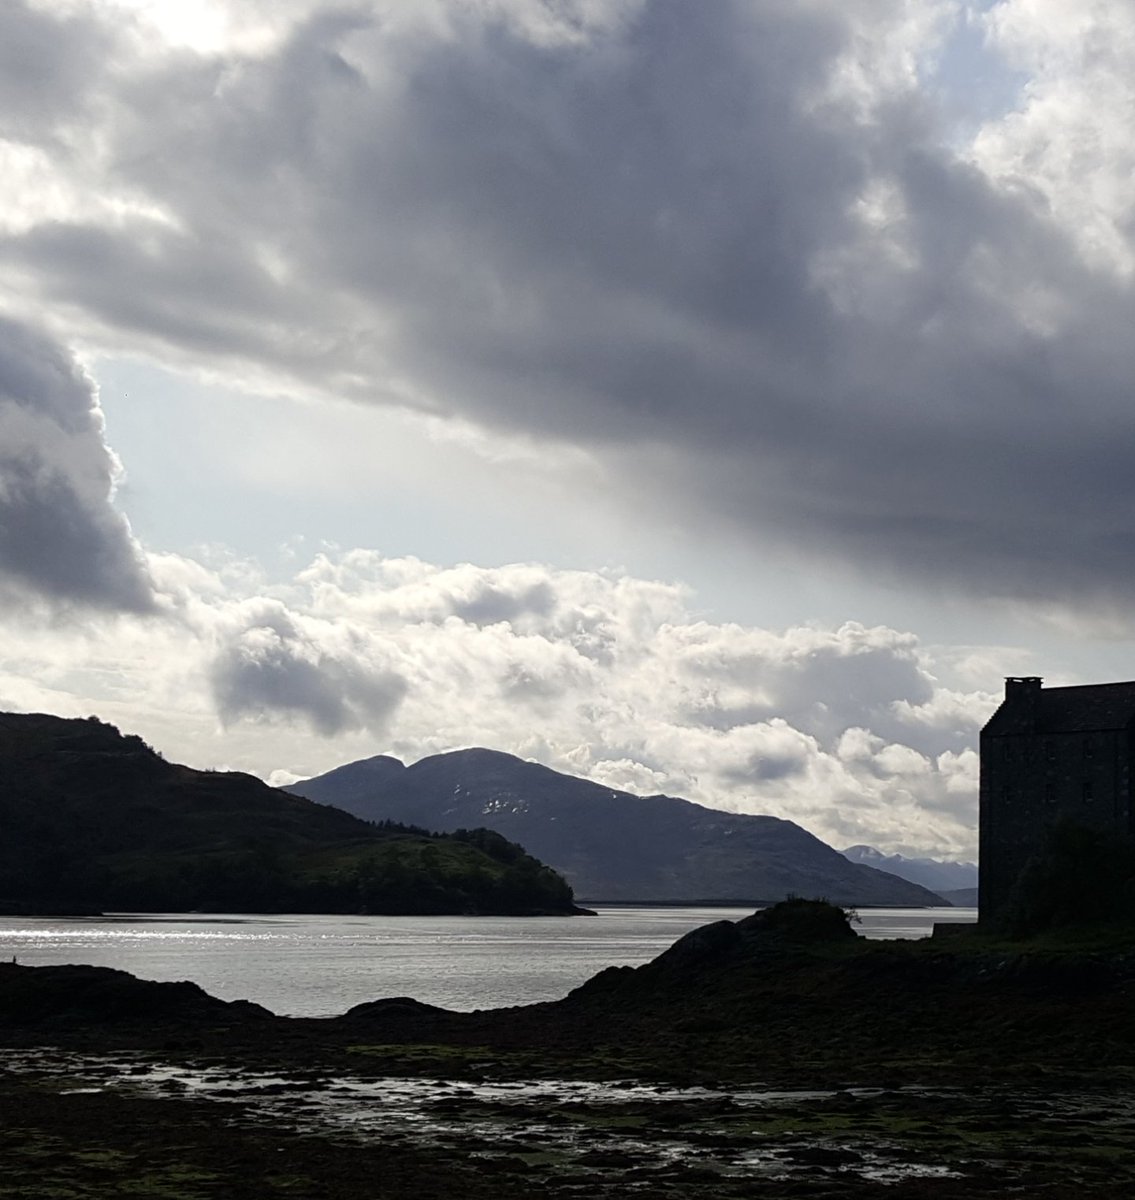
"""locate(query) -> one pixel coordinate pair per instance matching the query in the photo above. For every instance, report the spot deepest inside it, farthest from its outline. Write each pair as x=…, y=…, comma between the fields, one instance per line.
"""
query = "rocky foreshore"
x=777, y=1056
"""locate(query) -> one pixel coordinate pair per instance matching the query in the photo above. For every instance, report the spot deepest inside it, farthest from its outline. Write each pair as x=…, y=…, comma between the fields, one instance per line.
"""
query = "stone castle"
x=1051, y=755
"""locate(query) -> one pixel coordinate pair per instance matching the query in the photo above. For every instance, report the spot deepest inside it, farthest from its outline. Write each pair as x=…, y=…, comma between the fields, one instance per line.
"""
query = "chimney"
x=1022, y=699
x=1018, y=687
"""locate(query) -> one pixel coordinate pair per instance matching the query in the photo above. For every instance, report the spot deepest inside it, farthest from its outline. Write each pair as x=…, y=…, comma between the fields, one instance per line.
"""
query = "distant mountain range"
x=91, y=819
x=611, y=845
x=939, y=876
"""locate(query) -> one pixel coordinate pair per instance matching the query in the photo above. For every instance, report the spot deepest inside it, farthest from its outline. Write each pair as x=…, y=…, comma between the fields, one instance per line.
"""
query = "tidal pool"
x=565, y=1126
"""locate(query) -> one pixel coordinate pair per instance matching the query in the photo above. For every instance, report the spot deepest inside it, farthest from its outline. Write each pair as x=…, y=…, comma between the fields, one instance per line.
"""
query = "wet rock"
x=688, y=1173
x=712, y=942
x=83, y=995
x=822, y=1156
x=504, y=1164
x=397, y=1007
x=608, y=1158
x=799, y=921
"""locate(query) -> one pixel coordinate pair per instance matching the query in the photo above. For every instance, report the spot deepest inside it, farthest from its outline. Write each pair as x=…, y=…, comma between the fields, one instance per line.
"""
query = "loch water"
x=318, y=966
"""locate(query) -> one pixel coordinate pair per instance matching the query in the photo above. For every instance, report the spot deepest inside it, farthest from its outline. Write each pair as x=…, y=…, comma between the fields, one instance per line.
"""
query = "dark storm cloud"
x=61, y=540
x=649, y=240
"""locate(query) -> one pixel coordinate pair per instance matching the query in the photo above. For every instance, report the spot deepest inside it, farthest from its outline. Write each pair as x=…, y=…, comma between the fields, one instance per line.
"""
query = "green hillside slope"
x=92, y=819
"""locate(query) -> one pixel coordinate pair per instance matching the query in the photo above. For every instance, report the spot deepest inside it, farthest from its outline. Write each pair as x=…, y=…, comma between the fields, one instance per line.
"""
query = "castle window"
x=1087, y=795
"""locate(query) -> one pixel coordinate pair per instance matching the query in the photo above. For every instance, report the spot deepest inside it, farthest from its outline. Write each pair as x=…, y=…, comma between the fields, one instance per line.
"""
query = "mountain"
x=610, y=845
x=938, y=876
x=94, y=820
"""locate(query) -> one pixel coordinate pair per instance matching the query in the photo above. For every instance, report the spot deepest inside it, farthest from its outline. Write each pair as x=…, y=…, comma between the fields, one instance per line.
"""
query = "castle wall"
x=1031, y=782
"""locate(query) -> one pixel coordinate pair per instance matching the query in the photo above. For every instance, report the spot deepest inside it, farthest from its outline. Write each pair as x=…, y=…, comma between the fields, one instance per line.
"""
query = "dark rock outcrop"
x=85, y=995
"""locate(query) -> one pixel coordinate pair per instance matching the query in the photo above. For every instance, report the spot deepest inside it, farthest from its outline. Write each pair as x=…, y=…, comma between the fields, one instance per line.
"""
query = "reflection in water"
x=562, y=1123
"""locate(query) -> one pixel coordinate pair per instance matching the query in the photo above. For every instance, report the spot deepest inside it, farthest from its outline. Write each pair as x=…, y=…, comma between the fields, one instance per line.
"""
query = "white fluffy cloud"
x=845, y=730
x=1069, y=144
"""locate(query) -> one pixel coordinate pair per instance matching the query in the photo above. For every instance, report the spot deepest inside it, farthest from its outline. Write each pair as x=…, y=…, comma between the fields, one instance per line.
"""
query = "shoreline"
x=941, y=1071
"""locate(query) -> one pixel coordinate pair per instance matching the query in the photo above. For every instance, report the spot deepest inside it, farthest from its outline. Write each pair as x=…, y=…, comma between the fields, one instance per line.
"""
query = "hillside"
x=610, y=845
x=94, y=820
x=938, y=875
x=961, y=897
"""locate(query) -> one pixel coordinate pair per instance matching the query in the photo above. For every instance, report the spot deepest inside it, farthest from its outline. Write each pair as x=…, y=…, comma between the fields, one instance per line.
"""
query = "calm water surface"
x=318, y=966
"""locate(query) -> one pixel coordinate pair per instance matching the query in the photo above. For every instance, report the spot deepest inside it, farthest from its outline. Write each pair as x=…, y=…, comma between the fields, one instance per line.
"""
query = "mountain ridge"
x=939, y=875
x=95, y=819
x=611, y=845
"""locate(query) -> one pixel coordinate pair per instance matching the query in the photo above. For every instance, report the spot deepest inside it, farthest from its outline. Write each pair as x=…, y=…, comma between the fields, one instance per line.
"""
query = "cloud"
x=1069, y=142
x=490, y=605
x=45, y=68
x=270, y=668
x=847, y=730
x=61, y=541
x=737, y=251
x=739, y=258
x=614, y=678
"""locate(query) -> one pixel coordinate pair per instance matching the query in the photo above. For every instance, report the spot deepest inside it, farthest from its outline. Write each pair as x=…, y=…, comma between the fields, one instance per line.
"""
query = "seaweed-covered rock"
x=770, y=936
x=85, y=995
x=797, y=920
x=707, y=943
x=395, y=1007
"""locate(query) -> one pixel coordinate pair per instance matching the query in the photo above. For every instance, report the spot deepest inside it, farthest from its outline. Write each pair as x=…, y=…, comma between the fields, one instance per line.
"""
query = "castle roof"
x=1085, y=709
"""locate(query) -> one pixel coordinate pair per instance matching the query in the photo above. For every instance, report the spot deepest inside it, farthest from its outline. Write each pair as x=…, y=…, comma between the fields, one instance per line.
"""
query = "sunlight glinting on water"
x=146, y=935
x=302, y=965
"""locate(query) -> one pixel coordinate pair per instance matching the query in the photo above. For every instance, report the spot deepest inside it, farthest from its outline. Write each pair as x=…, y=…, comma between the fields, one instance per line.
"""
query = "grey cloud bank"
x=62, y=544
x=733, y=248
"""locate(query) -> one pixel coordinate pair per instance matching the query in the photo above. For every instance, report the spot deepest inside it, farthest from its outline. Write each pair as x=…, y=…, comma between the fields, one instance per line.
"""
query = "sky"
x=712, y=398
